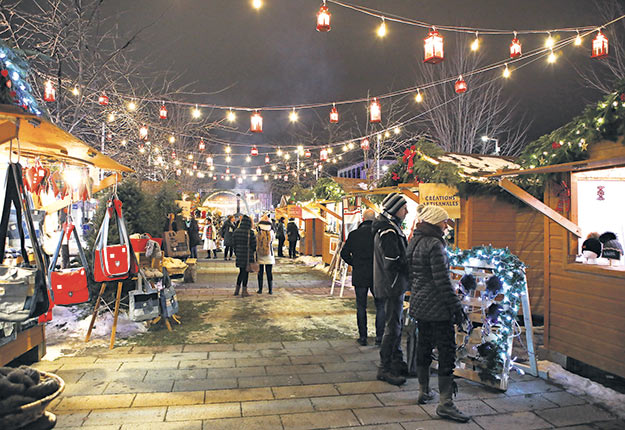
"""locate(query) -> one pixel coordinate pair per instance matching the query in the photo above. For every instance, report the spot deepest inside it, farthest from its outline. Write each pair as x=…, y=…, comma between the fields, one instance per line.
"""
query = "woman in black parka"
x=244, y=242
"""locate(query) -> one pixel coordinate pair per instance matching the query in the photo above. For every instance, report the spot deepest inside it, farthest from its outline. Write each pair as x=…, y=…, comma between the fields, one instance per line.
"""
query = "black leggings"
x=243, y=276
x=229, y=249
x=267, y=268
x=439, y=334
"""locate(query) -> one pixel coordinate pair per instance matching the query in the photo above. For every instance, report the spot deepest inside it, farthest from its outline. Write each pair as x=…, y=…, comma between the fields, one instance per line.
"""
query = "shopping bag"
x=23, y=290
x=169, y=302
x=143, y=306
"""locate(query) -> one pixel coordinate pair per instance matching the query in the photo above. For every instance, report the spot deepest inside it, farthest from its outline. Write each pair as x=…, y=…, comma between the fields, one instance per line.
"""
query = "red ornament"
x=515, y=48
x=599, y=46
x=307, y=154
x=103, y=100
x=202, y=145
x=364, y=144
x=4, y=73
x=375, y=112
x=162, y=113
x=334, y=115
x=556, y=145
x=460, y=86
x=267, y=159
x=173, y=155
x=623, y=97
x=256, y=123
x=227, y=170
x=49, y=93
x=323, y=155
x=323, y=18
x=433, y=47
x=254, y=151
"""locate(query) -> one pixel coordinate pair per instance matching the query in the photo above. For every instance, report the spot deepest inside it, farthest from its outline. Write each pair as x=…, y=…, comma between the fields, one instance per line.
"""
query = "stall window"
x=599, y=199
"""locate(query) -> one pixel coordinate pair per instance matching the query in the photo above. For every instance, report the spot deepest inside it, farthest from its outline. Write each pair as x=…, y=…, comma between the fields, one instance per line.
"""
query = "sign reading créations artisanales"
x=441, y=195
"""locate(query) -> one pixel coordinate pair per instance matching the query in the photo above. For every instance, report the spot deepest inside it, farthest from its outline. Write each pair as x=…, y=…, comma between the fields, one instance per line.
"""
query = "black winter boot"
x=270, y=286
x=236, y=290
x=446, y=408
x=399, y=368
x=425, y=394
x=387, y=376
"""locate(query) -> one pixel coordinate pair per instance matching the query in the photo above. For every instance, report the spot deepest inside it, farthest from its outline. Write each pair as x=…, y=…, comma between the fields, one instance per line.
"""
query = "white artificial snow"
x=315, y=263
x=593, y=391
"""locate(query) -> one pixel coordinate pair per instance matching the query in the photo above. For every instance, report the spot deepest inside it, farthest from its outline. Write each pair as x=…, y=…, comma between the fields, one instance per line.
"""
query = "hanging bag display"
x=113, y=262
x=69, y=286
x=23, y=291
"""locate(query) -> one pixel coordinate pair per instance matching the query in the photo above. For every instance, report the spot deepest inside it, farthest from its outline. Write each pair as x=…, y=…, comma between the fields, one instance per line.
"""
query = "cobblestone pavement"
x=290, y=386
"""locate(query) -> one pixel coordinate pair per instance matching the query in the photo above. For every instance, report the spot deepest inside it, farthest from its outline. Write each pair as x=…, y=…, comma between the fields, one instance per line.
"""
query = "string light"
x=397, y=130
x=549, y=43
x=287, y=156
x=75, y=91
x=228, y=149
x=231, y=116
x=228, y=158
x=506, y=72
x=257, y=4
x=248, y=159
x=552, y=57
x=382, y=28
x=196, y=113
x=578, y=39
x=279, y=152
x=111, y=117
x=344, y=148
x=476, y=43
x=293, y=117
x=190, y=157
x=172, y=139
x=132, y=106
x=418, y=98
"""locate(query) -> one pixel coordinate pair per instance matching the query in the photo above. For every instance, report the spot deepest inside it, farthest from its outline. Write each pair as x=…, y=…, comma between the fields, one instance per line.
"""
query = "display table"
x=32, y=341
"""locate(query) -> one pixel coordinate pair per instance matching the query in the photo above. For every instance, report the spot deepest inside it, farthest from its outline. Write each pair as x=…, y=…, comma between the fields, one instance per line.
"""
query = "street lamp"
x=486, y=139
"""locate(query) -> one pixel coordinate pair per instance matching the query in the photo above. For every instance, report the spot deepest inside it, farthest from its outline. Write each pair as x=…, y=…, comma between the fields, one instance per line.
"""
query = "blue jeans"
x=390, y=350
x=361, y=313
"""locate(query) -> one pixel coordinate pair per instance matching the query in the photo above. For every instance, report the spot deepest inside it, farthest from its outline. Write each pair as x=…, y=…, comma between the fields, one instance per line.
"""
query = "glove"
x=459, y=317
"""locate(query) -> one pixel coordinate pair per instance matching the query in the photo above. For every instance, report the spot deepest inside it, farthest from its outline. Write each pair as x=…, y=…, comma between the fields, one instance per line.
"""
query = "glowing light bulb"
x=248, y=159
x=76, y=91
x=172, y=139
x=124, y=142
x=132, y=106
x=111, y=117
x=350, y=145
x=287, y=156
x=552, y=57
x=228, y=159
x=190, y=156
x=397, y=130
x=387, y=134
x=273, y=167
x=549, y=43
x=228, y=149
x=475, y=45
x=382, y=29
x=418, y=98
x=578, y=40
x=293, y=117
x=506, y=72
x=231, y=116
x=196, y=113
x=279, y=152
x=344, y=148
x=257, y=4
x=142, y=150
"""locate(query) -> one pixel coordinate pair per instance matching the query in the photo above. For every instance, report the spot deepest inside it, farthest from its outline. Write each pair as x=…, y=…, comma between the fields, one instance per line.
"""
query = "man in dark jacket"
x=436, y=307
x=390, y=282
x=292, y=233
x=281, y=236
x=194, y=234
x=358, y=253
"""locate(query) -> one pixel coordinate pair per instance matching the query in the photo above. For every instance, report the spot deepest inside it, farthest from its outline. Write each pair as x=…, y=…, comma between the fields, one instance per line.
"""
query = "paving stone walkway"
x=287, y=386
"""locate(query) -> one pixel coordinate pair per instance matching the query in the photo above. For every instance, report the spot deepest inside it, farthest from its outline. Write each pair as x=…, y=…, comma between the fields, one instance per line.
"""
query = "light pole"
x=486, y=139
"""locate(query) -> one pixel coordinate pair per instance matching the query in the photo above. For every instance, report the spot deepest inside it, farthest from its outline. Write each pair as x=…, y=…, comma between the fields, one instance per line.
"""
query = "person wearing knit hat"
x=390, y=282
x=436, y=308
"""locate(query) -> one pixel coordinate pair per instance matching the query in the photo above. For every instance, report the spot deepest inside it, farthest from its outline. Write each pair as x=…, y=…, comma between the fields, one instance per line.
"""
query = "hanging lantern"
x=173, y=154
x=202, y=145
x=334, y=115
x=227, y=170
x=364, y=144
x=143, y=132
x=256, y=124
x=49, y=93
x=178, y=172
x=515, y=47
x=323, y=155
x=254, y=151
x=194, y=166
x=375, y=112
x=307, y=153
x=209, y=161
x=286, y=178
x=599, y=46
x=460, y=85
x=162, y=113
x=259, y=171
x=323, y=18
x=433, y=47
x=103, y=100
x=267, y=159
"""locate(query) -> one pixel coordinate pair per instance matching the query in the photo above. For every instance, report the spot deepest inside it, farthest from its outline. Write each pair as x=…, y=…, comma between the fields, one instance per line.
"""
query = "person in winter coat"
x=390, y=282
x=227, y=230
x=292, y=233
x=281, y=236
x=358, y=253
x=264, y=251
x=210, y=236
x=244, y=248
x=193, y=231
x=436, y=307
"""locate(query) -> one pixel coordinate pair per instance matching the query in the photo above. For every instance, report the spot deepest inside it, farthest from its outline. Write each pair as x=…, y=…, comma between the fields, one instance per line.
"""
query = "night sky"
x=276, y=57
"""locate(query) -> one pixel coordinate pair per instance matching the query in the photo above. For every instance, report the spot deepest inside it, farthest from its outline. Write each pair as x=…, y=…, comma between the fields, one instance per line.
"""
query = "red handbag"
x=113, y=262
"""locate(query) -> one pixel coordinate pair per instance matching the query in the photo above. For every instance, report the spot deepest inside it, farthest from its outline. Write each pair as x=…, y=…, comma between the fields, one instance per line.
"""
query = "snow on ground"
x=315, y=263
x=579, y=385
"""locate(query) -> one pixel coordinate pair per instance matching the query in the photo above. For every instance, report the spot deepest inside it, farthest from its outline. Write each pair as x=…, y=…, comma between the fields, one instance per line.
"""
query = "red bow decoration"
x=408, y=157
x=396, y=177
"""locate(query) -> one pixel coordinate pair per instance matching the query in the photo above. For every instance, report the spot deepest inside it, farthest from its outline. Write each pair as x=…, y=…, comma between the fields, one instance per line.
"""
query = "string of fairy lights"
x=433, y=53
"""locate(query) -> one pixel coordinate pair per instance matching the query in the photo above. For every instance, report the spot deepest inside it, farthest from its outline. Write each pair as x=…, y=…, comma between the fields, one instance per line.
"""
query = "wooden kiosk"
x=32, y=136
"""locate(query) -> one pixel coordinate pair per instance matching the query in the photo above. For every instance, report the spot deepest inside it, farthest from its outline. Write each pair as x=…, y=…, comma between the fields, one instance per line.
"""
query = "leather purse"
x=143, y=306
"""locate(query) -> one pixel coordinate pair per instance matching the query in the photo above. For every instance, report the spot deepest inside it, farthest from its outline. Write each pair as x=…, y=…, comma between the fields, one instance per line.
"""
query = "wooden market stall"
x=23, y=135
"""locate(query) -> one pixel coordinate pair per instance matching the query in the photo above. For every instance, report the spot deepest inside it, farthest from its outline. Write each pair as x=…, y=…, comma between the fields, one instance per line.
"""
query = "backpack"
x=263, y=242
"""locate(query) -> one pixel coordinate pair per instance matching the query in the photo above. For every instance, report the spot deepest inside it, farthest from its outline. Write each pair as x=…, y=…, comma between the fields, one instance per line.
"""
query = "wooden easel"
x=115, y=314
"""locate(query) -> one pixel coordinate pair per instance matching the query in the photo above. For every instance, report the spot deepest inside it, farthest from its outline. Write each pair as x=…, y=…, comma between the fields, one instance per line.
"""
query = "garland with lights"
x=14, y=86
x=508, y=280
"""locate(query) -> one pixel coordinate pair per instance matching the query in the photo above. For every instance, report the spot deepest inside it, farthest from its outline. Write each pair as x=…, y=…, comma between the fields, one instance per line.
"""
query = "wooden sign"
x=294, y=211
x=441, y=195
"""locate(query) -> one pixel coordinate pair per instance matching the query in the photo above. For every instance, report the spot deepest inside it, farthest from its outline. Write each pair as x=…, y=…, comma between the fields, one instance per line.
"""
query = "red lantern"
x=209, y=161
x=323, y=155
x=163, y=112
x=267, y=159
x=194, y=166
x=103, y=100
x=433, y=47
x=599, y=46
x=323, y=18
x=254, y=151
x=173, y=154
x=307, y=154
x=364, y=144
x=49, y=93
x=286, y=178
x=375, y=112
x=259, y=171
x=334, y=115
x=256, y=124
x=143, y=132
x=202, y=145
x=461, y=85
x=227, y=170
x=515, y=48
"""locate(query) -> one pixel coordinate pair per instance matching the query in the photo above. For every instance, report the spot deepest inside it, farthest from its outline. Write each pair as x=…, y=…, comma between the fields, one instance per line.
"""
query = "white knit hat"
x=431, y=214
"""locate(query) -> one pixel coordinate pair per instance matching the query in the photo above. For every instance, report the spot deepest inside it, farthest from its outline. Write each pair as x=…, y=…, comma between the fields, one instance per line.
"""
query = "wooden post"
x=117, y=300
x=95, y=311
